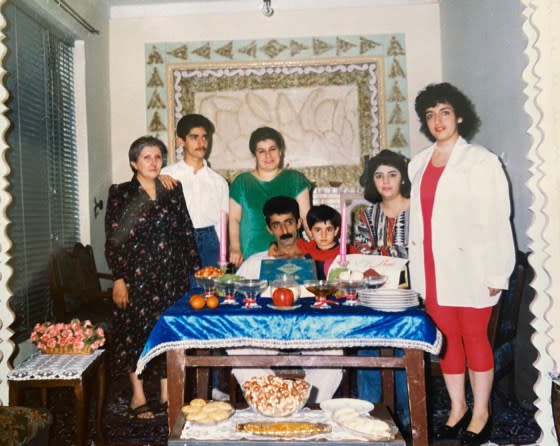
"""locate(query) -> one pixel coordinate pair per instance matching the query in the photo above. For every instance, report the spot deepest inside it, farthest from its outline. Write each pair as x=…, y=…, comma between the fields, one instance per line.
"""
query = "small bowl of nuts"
x=273, y=396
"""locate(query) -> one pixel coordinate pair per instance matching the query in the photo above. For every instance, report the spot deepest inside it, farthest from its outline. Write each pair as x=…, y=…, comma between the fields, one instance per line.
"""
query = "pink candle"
x=223, y=238
x=343, y=235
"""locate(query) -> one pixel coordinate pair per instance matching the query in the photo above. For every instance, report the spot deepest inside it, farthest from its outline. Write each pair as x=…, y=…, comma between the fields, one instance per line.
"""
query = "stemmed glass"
x=208, y=284
x=250, y=288
x=350, y=287
x=227, y=286
x=321, y=289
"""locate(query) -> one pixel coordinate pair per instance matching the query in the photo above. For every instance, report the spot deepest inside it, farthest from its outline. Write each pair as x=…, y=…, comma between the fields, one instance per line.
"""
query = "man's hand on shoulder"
x=168, y=182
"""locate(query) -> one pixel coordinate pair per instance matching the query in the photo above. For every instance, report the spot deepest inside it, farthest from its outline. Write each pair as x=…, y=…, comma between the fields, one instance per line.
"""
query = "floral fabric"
x=20, y=425
x=151, y=245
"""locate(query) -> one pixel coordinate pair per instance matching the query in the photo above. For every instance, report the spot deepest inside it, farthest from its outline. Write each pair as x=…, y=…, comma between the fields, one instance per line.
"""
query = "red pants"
x=465, y=331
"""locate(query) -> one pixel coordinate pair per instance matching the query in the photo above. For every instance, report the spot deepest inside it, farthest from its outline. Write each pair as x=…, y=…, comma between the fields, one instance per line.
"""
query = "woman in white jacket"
x=461, y=249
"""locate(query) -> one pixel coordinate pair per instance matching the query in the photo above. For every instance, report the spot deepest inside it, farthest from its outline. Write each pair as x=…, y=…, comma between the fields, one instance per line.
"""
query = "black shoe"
x=452, y=432
x=471, y=439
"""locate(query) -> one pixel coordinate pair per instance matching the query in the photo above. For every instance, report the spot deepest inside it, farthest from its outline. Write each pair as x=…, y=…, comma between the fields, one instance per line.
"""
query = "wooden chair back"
x=75, y=285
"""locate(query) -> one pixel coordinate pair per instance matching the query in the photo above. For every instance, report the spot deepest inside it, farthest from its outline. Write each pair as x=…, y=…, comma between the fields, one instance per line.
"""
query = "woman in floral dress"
x=151, y=250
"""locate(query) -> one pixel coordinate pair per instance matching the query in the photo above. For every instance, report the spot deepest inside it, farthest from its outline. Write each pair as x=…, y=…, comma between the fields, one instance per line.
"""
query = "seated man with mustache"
x=284, y=222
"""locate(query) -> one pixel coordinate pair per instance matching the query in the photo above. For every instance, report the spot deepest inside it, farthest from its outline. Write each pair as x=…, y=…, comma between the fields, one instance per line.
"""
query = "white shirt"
x=251, y=267
x=206, y=193
x=473, y=241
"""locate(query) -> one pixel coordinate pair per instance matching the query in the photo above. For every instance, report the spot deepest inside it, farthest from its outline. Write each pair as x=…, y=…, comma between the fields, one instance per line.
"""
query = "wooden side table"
x=80, y=372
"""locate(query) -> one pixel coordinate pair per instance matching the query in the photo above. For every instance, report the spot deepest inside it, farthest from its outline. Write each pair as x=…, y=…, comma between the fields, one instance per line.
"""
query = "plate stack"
x=384, y=299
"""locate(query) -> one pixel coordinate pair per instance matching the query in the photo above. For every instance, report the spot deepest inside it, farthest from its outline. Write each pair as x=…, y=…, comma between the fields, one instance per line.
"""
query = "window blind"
x=42, y=158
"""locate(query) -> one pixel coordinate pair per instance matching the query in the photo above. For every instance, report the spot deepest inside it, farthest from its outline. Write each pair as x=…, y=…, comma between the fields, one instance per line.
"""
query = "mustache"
x=286, y=236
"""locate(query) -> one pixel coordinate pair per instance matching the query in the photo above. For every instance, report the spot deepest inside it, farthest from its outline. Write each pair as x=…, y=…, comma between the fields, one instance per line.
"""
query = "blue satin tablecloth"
x=303, y=328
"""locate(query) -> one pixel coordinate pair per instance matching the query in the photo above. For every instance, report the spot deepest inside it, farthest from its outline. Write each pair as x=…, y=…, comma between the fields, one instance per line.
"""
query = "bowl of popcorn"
x=273, y=396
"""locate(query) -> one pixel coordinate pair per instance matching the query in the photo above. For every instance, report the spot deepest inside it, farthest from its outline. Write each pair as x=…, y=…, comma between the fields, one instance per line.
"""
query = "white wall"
x=420, y=24
x=482, y=53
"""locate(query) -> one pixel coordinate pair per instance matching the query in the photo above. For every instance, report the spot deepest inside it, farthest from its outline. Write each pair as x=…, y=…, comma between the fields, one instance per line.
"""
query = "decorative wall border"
x=6, y=314
x=542, y=154
x=388, y=50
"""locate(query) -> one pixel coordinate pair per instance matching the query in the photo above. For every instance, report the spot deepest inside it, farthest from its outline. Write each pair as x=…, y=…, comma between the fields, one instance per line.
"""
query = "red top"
x=428, y=187
x=325, y=256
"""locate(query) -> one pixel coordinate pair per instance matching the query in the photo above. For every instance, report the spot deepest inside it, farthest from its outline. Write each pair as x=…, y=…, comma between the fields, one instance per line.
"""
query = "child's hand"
x=273, y=250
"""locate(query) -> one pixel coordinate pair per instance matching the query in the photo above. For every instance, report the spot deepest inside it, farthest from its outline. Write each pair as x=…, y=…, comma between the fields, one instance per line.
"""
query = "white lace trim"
x=43, y=367
x=288, y=344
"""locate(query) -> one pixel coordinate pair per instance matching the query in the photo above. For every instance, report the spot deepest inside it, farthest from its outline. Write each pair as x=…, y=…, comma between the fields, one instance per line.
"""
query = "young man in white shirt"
x=206, y=192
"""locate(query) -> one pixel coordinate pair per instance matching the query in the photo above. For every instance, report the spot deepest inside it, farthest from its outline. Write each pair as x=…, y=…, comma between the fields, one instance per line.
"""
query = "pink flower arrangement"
x=74, y=337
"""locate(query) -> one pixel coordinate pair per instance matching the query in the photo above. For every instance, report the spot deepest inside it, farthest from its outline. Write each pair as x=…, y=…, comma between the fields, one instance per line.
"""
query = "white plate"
x=333, y=405
x=274, y=307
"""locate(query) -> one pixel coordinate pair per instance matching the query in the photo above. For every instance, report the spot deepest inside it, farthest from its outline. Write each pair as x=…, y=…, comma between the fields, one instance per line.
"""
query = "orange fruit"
x=197, y=301
x=212, y=302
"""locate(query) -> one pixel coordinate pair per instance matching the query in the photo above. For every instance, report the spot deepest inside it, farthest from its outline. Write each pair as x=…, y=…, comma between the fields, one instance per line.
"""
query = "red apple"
x=283, y=297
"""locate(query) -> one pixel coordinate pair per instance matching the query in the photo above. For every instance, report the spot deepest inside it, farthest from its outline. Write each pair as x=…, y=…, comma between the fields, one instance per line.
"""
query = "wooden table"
x=82, y=382
x=186, y=336
x=181, y=362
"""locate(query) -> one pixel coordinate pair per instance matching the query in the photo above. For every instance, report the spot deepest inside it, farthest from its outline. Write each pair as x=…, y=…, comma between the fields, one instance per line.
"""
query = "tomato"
x=283, y=297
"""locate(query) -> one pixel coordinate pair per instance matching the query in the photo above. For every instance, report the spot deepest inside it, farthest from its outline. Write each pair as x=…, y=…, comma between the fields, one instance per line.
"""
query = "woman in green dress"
x=250, y=190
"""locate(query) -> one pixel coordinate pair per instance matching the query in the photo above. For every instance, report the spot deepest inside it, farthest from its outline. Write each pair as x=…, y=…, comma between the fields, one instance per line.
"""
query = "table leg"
x=81, y=414
x=388, y=382
x=101, y=381
x=416, y=380
x=175, y=383
x=14, y=393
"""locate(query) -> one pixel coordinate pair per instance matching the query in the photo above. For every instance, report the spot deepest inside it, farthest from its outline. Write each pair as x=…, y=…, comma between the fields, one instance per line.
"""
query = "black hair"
x=263, y=133
x=280, y=205
x=191, y=121
x=144, y=141
x=322, y=214
x=384, y=158
x=445, y=93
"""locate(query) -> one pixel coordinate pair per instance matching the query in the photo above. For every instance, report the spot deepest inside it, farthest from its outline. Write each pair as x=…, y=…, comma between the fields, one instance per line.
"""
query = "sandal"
x=161, y=408
x=140, y=410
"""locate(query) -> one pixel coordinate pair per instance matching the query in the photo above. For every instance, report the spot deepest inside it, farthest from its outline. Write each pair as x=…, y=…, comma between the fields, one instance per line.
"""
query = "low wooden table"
x=189, y=337
x=179, y=362
x=80, y=372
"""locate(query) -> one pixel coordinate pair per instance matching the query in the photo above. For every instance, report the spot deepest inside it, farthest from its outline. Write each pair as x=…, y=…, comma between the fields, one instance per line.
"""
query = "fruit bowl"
x=273, y=396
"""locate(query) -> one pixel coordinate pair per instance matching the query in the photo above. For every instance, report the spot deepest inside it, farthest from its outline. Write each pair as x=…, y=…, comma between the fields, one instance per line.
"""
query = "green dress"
x=251, y=194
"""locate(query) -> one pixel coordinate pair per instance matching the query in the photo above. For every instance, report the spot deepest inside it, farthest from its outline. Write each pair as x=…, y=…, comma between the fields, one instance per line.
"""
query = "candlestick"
x=223, y=239
x=343, y=235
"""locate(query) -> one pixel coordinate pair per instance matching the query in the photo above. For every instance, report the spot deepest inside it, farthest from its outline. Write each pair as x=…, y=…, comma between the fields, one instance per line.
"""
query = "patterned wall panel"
x=336, y=99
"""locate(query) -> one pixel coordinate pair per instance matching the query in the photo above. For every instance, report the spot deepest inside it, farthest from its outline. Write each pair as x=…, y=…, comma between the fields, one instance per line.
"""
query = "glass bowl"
x=273, y=396
x=321, y=289
x=285, y=281
x=374, y=281
x=250, y=288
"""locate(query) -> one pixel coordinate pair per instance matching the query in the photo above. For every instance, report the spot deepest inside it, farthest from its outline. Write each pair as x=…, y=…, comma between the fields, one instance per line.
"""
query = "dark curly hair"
x=445, y=93
x=280, y=205
x=384, y=158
